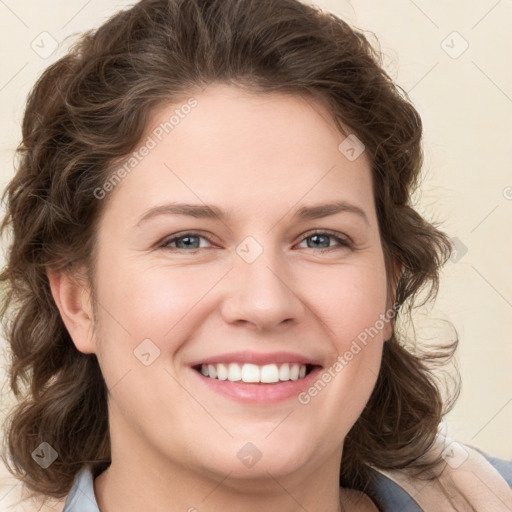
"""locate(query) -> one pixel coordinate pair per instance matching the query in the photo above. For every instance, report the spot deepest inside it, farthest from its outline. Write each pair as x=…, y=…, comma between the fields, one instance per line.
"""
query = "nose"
x=260, y=293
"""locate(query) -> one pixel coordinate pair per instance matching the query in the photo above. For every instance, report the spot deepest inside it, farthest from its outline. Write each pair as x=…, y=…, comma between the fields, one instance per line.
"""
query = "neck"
x=132, y=481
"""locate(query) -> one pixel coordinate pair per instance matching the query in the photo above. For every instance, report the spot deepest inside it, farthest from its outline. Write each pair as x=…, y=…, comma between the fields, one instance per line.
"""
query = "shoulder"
x=469, y=479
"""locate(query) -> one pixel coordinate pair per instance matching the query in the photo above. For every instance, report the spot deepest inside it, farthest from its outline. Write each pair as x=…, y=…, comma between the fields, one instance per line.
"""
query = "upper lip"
x=258, y=358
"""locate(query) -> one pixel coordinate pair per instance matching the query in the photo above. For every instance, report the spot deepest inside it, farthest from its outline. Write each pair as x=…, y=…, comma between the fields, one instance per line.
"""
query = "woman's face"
x=252, y=284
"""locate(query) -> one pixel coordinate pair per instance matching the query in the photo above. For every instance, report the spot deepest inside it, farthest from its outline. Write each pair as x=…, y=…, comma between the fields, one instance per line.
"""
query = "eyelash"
x=343, y=241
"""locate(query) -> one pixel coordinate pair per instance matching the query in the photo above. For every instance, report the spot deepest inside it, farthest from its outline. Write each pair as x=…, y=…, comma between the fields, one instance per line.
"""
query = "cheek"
x=143, y=318
x=167, y=304
x=352, y=300
x=161, y=301
x=353, y=308
x=152, y=302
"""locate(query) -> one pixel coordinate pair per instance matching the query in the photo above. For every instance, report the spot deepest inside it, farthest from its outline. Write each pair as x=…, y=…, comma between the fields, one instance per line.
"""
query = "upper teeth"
x=253, y=373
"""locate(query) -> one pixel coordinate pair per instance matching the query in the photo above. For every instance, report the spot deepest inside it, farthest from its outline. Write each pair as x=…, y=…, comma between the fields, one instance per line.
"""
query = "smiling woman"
x=201, y=302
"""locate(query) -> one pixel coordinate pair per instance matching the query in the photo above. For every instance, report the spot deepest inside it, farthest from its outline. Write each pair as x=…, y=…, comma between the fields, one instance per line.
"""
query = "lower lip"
x=257, y=393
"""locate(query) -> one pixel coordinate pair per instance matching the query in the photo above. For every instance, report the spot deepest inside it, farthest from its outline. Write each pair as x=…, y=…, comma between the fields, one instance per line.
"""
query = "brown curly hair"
x=90, y=109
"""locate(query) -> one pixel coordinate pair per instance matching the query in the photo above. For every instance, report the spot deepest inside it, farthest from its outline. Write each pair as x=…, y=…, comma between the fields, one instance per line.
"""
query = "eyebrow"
x=206, y=211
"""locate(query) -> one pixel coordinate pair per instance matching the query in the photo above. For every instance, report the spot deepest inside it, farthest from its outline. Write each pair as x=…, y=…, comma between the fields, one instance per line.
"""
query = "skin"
x=174, y=441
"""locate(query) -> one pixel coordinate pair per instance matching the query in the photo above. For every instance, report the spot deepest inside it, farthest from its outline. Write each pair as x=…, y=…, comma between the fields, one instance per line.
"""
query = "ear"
x=71, y=293
x=390, y=310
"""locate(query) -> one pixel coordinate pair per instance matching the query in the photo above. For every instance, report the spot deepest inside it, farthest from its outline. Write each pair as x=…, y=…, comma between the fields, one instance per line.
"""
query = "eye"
x=323, y=237
x=188, y=240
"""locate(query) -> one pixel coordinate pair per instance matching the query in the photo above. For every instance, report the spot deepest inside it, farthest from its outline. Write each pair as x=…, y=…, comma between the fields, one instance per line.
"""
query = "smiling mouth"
x=255, y=374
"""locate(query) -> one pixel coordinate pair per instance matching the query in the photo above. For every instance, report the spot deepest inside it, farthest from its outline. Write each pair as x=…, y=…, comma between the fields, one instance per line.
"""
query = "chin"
x=253, y=460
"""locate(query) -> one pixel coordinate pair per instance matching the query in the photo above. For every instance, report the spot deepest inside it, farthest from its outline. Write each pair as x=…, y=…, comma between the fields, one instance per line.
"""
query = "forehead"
x=246, y=150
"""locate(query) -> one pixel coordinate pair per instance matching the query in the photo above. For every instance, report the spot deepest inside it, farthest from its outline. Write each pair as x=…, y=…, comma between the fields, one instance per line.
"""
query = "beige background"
x=466, y=104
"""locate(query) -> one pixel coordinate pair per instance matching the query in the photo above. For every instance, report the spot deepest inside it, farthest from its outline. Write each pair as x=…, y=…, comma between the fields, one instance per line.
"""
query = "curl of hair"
x=90, y=109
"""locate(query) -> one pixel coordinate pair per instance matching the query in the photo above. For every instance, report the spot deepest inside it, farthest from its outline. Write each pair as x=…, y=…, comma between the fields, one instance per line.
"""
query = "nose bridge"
x=261, y=292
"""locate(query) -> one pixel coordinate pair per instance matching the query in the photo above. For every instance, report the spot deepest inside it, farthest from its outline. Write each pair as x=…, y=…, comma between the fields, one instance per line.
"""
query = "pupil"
x=186, y=238
x=316, y=237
